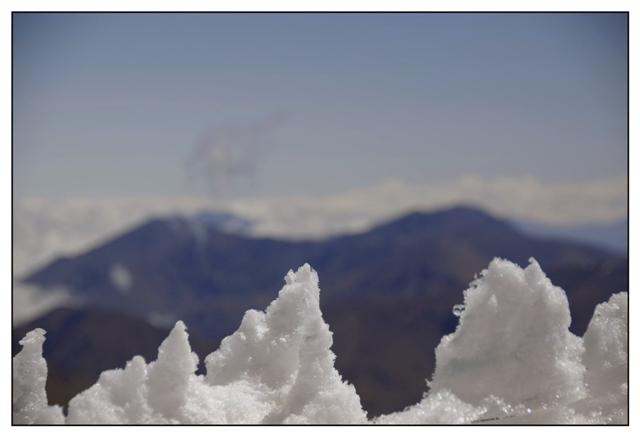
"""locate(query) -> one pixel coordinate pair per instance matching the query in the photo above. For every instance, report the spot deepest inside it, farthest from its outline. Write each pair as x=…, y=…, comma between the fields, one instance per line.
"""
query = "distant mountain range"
x=612, y=235
x=386, y=293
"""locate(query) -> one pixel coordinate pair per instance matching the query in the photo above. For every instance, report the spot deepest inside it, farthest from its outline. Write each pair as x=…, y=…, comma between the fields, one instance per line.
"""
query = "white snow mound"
x=512, y=341
x=511, y=359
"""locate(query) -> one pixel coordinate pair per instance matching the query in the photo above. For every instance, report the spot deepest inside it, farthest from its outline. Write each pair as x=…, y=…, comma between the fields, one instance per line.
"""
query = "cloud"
x=228, y=155
x=520, y=198
x=29, y=302
x=46, y=228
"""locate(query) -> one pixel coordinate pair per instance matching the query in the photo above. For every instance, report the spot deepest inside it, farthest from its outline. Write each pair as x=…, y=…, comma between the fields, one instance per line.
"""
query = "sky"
x=233, y=105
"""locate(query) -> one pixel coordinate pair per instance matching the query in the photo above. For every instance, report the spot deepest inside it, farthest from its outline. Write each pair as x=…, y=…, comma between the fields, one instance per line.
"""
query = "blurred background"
x=176, y=166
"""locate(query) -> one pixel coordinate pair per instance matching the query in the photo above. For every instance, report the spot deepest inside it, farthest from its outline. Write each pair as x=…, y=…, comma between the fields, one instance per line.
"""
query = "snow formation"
x=511, y=359
x=29, y=401
x=512, y=341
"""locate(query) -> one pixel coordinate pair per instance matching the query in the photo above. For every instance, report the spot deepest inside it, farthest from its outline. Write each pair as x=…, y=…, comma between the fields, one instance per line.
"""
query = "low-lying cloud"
x=45, y=228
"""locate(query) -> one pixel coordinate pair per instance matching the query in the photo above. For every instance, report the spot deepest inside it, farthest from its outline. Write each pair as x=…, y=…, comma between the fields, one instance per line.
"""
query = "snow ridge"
x=511, y=359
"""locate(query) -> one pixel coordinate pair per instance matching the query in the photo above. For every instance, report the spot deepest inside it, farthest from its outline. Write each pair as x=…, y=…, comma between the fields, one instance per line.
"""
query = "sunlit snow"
x=511, y=359
x=121, y=278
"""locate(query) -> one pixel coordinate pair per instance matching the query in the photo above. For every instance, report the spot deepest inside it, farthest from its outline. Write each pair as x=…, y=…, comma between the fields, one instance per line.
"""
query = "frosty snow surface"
x=511, y=359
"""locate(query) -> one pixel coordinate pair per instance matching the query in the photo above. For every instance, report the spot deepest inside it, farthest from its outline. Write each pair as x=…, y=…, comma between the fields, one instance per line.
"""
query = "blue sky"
x=275, y=104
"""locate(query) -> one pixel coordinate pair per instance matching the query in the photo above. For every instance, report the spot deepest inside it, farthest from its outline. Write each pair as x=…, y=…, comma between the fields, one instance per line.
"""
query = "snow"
x=161, y=320
x=512, y=341
x=277, y=368
x=606, y=354
x=441, y=407
x=606, y=359
x=118, y=397
x=121, y=278
x=511, y=359
x=168, y=377
x=29, y=404
x=285, y=351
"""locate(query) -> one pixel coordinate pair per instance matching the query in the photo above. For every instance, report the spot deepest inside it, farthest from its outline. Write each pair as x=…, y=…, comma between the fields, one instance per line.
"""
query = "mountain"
x=611, y=235
x=387, y=293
